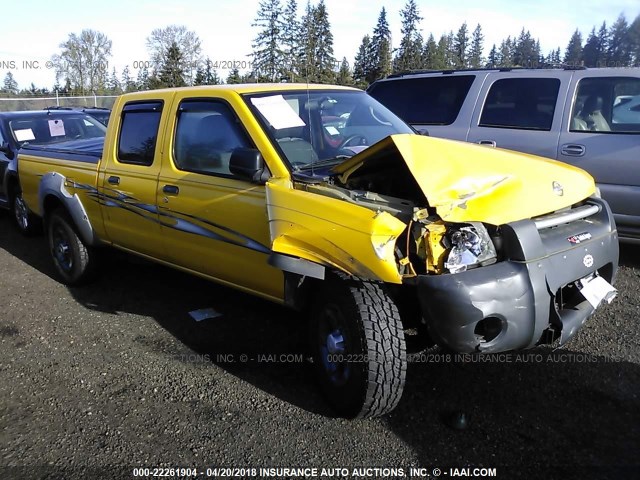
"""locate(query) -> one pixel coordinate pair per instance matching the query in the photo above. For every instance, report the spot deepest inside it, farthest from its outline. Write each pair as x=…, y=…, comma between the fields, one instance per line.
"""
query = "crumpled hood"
x=467, y=182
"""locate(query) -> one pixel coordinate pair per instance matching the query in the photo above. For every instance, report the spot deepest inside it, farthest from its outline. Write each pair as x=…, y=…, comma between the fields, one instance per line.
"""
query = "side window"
x=139, y=132
x=607, y=105
x=521, y=103
x=424, y=100
x=206, y=134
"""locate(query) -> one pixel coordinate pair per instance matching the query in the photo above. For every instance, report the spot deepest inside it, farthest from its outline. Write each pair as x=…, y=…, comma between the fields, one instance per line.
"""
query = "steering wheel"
x=350, y=138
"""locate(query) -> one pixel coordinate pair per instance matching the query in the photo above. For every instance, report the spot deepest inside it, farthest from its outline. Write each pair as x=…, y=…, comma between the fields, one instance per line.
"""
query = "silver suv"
x=589, y=118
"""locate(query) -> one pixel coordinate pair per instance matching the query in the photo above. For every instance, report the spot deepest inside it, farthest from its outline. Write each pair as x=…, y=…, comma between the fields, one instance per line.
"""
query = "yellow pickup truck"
x=319, y=198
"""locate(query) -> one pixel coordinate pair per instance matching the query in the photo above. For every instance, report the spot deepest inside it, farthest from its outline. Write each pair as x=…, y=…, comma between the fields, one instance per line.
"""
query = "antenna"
x=306, y=69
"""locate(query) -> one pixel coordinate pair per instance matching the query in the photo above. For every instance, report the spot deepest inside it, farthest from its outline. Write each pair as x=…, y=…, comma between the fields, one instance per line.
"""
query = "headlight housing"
x=471, y=246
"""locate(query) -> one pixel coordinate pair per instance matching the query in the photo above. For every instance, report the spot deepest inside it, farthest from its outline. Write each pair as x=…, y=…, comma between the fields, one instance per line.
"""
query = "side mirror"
x=6, y=149
x=422, y=131
x=248, y=163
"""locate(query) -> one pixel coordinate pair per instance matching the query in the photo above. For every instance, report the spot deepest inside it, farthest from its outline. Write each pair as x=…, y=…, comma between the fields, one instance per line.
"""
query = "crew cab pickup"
x=319, y=198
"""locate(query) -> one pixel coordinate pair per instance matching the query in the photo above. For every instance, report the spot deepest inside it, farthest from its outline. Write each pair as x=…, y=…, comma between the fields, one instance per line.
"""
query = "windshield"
x=47, y=129
x=310, y=127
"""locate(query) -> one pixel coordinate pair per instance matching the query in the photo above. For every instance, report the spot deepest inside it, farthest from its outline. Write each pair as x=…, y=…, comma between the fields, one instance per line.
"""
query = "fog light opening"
x=488, y=329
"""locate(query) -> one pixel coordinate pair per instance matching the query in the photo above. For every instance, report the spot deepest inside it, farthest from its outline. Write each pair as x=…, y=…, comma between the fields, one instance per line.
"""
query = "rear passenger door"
x=128, y=183
x=519, y=112
x=602, y=136
x=213, y=222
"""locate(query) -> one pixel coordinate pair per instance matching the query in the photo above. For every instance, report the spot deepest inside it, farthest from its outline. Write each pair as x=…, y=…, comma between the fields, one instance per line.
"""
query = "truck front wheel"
x=75, y=261
x=26, y=221
x=358, y=347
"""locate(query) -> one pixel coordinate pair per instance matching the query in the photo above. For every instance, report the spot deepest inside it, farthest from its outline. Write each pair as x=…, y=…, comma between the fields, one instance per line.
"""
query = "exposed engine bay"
x=427, y=245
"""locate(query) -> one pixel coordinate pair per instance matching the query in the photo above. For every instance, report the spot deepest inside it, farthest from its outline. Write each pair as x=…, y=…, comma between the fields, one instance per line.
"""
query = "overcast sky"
x=32, y=30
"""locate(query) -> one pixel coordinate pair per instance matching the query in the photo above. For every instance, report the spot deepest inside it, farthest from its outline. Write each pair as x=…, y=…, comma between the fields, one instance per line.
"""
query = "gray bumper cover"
x=520, y=292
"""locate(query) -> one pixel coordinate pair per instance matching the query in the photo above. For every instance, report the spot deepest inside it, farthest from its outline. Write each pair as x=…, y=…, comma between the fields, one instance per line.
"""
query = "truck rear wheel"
x=75, y=261
x=358, y=347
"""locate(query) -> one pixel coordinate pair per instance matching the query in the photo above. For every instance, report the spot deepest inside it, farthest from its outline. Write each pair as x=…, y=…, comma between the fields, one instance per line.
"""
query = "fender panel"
x=55, y=184
x=333, y=233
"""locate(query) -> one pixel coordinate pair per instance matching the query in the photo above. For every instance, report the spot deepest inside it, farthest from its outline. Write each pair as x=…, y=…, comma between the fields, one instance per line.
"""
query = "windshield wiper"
x=324, y=163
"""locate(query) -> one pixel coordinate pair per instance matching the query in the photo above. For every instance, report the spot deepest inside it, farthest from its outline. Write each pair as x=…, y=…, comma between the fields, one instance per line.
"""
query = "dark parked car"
x=45, y=127
x=99, y=113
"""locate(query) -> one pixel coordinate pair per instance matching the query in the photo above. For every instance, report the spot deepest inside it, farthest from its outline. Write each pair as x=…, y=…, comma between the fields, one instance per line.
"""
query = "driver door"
x=213, y=222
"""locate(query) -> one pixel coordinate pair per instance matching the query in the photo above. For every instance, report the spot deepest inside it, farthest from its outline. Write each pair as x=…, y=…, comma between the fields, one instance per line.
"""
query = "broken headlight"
x=471, y=246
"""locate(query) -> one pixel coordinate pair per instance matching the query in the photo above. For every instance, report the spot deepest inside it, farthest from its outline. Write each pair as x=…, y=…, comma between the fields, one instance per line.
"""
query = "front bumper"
x=523, y=300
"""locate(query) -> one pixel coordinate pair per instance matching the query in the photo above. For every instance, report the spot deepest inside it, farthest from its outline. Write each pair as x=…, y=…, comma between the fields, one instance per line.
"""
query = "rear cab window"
x=424, y=100
x=521, y=103
x=606, y=105
x=139, y=132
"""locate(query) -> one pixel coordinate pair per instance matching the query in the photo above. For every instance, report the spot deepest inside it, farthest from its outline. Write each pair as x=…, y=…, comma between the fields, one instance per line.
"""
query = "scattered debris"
x=204, y=314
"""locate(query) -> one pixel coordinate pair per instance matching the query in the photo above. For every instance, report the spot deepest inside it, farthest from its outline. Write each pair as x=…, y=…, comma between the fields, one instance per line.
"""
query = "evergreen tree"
x=603, y=36
x=306, y=69
x=593, y=52
x=326, y=62
x=619, y=48
x=525, y=50
x=288, y=40
x=234, y=77
x=442, y=53
x=476, y=60
x=172, y=70
x=573, y=53
x=381, y=49
x=344, y=74
x=505, y=54
x=143, y=80
x=267, y=53
x=492, y=60
x=364, y=63
x=409, y=55
x=10, y=85
x=126, y=82
x=634, y=41
x=430, y=54
x=206, y=74
x=113, y=86
x=460, y=47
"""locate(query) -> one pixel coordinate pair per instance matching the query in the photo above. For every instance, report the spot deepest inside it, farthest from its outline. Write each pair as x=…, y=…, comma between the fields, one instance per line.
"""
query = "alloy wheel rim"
x=20, y=212
x=62, y=250
x=333, y=346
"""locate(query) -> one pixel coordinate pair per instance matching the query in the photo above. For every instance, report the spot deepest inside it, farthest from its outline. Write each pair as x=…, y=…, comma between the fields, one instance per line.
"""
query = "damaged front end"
x=459, y=225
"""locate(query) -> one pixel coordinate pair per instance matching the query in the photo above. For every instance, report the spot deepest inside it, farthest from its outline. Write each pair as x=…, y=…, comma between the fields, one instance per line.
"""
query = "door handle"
x=114, y=180
x=488, y=143
x=573, y=150
x=171, y=189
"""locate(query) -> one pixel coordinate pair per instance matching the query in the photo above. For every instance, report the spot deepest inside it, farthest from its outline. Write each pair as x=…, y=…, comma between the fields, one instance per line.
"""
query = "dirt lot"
x=97, y=380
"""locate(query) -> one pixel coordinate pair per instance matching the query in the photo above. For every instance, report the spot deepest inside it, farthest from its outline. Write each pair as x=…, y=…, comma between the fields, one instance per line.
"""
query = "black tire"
x=358, y=347
x=26, y=222
x=74, y=261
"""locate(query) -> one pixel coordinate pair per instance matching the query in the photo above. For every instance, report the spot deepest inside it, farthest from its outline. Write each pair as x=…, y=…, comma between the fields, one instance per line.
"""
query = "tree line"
x=298, y=47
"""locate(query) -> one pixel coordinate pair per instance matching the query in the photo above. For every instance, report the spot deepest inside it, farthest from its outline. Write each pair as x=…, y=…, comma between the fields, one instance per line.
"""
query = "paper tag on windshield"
x=278, y=112
x=24, y=135
x=56, y=128
x=331, y=130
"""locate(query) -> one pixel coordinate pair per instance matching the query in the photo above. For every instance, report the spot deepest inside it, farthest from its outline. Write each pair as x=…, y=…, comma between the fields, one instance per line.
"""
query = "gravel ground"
x=97, y=380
